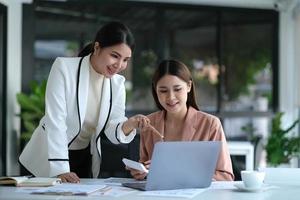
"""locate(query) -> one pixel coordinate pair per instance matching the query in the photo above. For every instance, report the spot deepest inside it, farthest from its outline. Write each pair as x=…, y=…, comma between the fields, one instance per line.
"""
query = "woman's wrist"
x=127, y=127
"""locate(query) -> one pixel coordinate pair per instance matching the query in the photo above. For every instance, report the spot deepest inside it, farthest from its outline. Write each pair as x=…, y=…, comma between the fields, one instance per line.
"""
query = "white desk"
x=290, y=192
x=245, y=149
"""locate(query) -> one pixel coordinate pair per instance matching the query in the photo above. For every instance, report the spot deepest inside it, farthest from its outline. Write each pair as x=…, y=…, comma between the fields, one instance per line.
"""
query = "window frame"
x=3, y=86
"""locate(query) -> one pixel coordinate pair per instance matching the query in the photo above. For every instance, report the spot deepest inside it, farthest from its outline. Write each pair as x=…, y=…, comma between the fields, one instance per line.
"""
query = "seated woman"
x=179, y=118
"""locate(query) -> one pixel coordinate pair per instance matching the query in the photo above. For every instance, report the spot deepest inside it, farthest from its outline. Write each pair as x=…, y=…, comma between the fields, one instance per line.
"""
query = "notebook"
x=26, y=181
x=180, y=165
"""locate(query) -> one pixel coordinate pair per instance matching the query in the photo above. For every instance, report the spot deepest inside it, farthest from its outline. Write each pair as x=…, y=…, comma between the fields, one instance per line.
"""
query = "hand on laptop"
x=139, y=175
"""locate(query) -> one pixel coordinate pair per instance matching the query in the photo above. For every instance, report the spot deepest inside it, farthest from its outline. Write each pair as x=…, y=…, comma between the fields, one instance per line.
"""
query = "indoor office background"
x=232, y=53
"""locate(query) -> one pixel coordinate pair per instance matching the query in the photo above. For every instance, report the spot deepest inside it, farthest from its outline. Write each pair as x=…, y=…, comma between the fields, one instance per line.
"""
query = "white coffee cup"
x=253, y=179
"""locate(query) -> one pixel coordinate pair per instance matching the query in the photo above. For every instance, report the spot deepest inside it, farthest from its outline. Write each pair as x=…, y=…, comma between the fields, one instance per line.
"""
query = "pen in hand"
x=156, y=131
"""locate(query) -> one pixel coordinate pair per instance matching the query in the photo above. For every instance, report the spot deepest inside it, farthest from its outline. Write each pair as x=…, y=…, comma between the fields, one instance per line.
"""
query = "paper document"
x=113, y=191
x=70, y=189
x=185, y=193
x=217, y=185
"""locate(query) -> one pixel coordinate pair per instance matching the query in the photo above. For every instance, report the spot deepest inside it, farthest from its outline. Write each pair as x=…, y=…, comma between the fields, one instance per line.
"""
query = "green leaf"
x=32, y=107
x=280, y=146
x=30, y=126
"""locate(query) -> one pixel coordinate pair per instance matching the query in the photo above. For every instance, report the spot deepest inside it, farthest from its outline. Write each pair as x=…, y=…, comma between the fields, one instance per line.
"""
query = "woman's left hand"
x=139, y=175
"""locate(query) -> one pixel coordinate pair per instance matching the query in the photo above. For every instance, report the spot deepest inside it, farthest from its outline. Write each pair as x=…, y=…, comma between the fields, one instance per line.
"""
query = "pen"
x=156, y=131
x=104, y=190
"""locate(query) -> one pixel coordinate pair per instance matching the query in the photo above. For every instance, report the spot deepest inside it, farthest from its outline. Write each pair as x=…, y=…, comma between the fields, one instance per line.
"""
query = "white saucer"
x=242, y=187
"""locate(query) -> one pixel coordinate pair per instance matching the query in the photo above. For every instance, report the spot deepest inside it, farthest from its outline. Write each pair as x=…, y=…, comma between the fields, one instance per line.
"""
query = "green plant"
x=280, y=146
x=32, y=108
x=146, y=63
x=253, y=136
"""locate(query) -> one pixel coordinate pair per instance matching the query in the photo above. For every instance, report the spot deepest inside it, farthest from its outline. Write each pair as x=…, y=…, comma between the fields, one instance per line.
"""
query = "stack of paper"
x=70, y=189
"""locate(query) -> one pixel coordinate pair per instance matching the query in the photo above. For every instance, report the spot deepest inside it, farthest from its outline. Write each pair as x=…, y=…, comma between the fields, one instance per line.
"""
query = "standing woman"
x=179, y=118
x=85, y=97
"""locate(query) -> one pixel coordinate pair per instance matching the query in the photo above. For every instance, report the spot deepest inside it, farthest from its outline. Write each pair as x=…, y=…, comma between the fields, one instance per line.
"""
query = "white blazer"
x=46, y=154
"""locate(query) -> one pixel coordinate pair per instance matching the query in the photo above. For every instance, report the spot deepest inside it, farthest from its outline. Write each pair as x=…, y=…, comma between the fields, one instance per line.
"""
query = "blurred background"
x=233, y=48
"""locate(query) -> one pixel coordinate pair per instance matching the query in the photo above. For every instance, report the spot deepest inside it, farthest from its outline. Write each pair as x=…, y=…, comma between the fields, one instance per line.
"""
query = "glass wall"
x=249, y=86
x=232, y=52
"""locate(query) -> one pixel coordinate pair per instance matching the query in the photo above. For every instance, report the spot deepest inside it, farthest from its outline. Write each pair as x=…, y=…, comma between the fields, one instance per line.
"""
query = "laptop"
x=179, y=165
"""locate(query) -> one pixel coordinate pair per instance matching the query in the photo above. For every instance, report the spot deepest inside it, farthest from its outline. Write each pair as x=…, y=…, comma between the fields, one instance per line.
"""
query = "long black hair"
x=110, y=34
x=175, y=68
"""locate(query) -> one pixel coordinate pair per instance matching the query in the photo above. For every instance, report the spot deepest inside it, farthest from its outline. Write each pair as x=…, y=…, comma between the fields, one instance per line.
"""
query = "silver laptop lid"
x=178, y=165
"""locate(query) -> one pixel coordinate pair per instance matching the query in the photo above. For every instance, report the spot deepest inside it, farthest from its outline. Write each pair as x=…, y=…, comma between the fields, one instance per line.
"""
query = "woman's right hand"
x=137, y=174
x=70, y=177
x=139, y=121
x=135, y=122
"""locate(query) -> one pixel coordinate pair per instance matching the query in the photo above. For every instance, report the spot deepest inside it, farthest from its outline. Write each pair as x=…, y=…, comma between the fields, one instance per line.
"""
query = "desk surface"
x=284, y=191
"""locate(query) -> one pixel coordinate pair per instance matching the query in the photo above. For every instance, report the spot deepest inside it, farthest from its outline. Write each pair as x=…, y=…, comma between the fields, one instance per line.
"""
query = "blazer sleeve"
x=55, y=119
x=224, y=166
x=117, y=116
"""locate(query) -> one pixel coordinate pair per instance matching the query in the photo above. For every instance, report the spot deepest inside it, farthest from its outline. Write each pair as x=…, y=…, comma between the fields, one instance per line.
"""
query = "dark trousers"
x=81, y=162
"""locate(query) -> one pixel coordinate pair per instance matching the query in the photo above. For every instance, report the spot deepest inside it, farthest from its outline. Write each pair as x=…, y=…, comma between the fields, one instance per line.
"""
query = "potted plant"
x=254, y=137
x=32, y=108
x=281, y=146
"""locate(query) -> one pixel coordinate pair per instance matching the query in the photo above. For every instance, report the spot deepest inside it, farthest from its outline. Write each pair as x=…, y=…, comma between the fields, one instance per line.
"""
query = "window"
x=232, y=52
x=3, y=36
x=45, y=52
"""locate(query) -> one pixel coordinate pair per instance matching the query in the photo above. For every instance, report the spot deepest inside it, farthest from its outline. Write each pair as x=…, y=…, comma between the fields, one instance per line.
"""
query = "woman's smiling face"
x=110, y=60
x=172, y=93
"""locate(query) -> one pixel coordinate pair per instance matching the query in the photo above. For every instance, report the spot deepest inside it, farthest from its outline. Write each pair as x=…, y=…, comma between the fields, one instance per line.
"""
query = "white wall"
x=296, y=14
x=14, y=41
x=289, y=62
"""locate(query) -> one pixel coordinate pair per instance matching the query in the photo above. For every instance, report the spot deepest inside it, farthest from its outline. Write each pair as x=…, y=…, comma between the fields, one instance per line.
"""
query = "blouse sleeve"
x=144, y=152
x=224, y=166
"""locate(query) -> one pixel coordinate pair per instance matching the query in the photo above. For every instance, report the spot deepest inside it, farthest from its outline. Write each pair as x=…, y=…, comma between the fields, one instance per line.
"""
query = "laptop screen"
x=179, y=165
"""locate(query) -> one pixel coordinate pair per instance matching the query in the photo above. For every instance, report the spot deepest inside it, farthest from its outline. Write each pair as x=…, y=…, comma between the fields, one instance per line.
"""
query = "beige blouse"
x=198, y=126
x=92, y=110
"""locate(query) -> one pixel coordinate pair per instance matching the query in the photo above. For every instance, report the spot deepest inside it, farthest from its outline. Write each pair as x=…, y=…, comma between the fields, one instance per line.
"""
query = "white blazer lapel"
x=83, y=87
x=104, y=104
